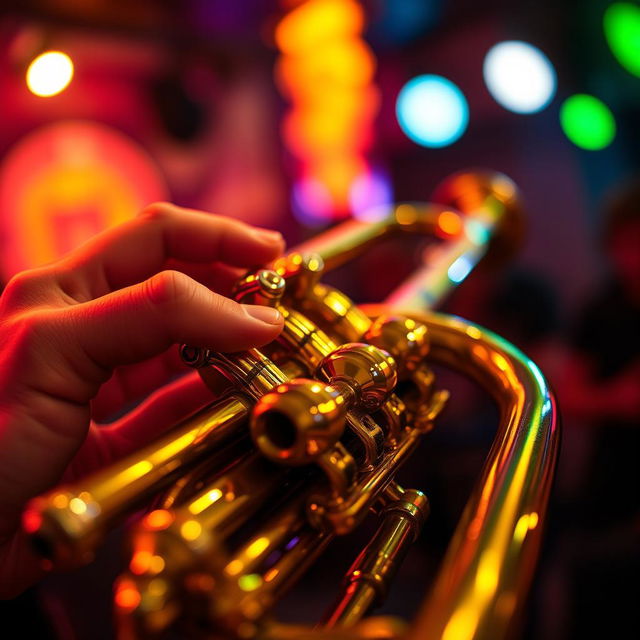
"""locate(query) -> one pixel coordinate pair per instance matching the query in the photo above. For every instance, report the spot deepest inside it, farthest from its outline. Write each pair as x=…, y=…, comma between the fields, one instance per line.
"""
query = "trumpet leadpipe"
x=67, y=524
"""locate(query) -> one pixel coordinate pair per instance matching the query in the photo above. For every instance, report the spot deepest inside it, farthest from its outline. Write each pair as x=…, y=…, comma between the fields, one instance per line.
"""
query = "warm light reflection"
x=450, y=223
x=140, y=562
x=406, y=214
x=462, y=625
x=49, y=74
x=127, y=596
x=487, y=576
x=234, y=567
x=31, y=521
x=205, y=501
x=158, y=520
x=190, y=530
x=257, y=547
x=77, y=506
x=271, y=574
x=250, y=582
x=60, y=501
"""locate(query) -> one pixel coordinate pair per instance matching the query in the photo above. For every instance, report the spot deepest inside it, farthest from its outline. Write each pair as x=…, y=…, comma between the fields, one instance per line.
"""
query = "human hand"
x=117, y=304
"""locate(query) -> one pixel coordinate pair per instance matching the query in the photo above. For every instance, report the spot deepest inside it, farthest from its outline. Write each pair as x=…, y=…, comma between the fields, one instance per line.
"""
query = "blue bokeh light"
x=432, y=111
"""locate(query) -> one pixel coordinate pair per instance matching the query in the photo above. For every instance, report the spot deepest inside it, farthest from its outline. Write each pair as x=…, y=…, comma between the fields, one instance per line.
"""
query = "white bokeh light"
x=49, y=74
x=519, y=76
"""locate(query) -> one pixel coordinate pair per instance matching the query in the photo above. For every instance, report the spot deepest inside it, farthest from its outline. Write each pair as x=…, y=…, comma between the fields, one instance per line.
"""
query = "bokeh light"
x=313, y=24
x=460, y=269
x=326, y=70
x=371, y=196
x=587, y=122
x=65, y=182
x=49, y=73
x=519, y=76
x=432, y=111
x=311, y=202
x=622, y=30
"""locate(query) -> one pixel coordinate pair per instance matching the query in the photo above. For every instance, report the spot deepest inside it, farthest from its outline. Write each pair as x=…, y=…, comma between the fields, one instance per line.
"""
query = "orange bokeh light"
x=326, y=69
x=339, y=64
x=450, y=223
x=314, y=23
x=127, y=596
x=65, y=182
x=158, y=520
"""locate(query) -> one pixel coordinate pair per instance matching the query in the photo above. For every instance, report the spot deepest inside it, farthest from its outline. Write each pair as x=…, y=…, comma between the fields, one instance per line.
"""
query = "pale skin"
x=95, y=331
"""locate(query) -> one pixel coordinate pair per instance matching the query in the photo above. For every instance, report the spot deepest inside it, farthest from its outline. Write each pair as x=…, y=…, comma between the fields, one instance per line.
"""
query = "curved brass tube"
x=479, y=214
x=492, y=555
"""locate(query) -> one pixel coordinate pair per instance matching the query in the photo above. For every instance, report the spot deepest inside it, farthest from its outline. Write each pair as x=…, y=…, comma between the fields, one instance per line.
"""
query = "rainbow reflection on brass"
x=490, y=561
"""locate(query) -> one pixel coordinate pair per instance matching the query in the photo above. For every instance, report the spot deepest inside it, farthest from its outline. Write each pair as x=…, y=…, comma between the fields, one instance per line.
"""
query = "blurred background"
x=297, y=114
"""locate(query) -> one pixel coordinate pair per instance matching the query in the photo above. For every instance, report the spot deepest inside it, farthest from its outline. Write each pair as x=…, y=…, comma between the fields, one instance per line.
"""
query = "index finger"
x=134, y=251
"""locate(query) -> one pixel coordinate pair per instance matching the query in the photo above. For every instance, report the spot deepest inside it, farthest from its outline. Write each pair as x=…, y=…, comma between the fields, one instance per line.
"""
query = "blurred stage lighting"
x=371, y=196
x=49, y=73
x=622, y=30
x=432, y=111
x=311, y=202
x=519, y=76
x=66, y=181
x=587, y=122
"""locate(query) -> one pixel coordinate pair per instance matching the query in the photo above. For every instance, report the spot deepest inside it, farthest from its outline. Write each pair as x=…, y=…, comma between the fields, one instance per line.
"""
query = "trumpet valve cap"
x=369, y=372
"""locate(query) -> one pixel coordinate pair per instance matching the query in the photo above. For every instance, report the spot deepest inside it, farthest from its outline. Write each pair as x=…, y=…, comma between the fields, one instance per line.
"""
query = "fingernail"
x=264, y=314
x=267, y=235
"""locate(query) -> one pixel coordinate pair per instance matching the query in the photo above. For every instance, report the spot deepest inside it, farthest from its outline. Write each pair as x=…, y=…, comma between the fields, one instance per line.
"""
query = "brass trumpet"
x=333, y=409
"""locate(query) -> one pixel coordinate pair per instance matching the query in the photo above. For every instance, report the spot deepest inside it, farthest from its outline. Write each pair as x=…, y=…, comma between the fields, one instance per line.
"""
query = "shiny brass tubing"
x=344, y=516
x=374, y=569
x=371, y=574
x=262, y=590
x=231, y=499
x=351, y=239
x=246, y=587
x=192, y=539
x=273, y=535
x=491, y=558
x=482, y=211
x=68, y=523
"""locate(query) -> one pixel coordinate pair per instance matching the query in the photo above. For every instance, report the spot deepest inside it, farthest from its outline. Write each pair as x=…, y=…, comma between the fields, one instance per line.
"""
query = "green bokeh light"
x=622, y=30
x=587, y=122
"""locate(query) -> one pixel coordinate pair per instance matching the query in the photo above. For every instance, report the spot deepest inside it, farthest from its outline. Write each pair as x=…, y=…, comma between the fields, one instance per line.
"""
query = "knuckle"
x=157, y=212
x=170, y=288
x=30, y=332
x=21, y=286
